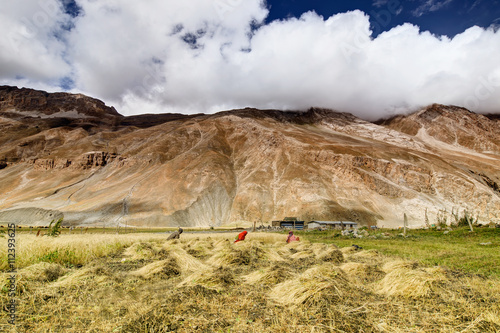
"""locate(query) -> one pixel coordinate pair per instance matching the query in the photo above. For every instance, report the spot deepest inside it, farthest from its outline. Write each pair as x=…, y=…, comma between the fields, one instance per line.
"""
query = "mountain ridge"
x=246, y=165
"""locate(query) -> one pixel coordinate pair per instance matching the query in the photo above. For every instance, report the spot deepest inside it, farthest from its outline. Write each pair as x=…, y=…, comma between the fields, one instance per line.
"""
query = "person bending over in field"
x=292, y=237
x=241, y=236
x=175, y=234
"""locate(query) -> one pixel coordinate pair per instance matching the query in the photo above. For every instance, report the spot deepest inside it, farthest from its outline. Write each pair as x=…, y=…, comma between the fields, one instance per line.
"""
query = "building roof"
x=335, y=222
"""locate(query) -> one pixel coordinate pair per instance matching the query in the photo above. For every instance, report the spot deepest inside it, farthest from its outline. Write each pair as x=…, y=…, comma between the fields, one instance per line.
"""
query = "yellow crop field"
x=207, y=283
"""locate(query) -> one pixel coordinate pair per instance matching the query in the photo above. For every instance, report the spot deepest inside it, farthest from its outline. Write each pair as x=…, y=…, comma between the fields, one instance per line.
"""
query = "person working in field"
x=175, y=234
x=241, y=236
x=292, y=237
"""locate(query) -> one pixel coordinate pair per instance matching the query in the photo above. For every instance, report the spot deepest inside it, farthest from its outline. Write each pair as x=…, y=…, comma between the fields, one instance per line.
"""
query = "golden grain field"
x=207, y=283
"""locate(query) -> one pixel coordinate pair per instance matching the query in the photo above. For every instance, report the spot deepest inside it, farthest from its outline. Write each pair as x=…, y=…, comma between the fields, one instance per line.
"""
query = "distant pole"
x=405, y=224
x=466, y=214
x=254, y=222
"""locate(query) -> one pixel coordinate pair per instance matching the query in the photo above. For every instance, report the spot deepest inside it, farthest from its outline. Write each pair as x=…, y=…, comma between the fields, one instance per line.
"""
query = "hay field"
x=206, y=283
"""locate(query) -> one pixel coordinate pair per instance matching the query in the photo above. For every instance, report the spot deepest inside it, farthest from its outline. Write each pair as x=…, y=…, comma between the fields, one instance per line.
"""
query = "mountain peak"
x=240, y=165
x=25, y=102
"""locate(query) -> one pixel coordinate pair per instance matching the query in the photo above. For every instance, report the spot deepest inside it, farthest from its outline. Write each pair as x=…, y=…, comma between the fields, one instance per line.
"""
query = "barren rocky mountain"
x=73, y=156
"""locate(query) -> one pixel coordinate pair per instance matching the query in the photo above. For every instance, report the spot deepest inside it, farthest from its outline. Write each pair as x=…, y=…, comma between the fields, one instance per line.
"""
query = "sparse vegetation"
x=464, y=220
x=206, y=283
x=54, y=230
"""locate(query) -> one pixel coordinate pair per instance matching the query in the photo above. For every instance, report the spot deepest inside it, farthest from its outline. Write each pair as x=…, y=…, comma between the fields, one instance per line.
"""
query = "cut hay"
x=241, y=253
x=349, y=250
x=332, y=255
x=42, y=272
x=412, y=283
x=143, y=250
x=360, y=272
x=27, y=279
x=319, y=248
x=215, y=278
x=186, y=262
x=397, y=264
x=221, y=245
x=290, y=248
x=321, y=284
x=199, y=249
x=301, y=246
x=274, y=256
x=302, y=255
x=79, y=278
x=270, y=276
x=162, y=269
x=366, y=256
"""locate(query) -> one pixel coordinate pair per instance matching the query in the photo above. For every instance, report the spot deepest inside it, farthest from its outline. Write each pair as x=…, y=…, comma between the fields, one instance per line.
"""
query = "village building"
x=331, y=225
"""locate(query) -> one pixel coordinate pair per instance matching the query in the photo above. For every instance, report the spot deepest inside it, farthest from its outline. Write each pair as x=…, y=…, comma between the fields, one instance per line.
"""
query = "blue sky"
x=441, y=17
x=371, y=58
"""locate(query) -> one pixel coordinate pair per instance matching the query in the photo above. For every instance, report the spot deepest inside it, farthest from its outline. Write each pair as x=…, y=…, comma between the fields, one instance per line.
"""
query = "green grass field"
x=459, y=249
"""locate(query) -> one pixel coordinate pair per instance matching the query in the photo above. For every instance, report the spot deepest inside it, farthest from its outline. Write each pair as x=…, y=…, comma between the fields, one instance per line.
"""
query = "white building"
x=332, y=225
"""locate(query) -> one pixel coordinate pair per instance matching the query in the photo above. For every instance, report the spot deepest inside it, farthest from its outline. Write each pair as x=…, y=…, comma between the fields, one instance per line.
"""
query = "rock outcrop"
x=242, y=165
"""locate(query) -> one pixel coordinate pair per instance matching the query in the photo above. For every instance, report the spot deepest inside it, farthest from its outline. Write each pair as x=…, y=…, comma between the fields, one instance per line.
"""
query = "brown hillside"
x=239, y=165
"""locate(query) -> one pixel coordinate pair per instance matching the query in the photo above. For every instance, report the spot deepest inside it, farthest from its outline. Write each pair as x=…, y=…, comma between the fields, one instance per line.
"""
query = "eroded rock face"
x=41, y=103
x=243, y=165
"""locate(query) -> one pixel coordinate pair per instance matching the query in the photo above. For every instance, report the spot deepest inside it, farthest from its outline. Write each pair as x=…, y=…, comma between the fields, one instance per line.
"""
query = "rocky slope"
x=72, y=156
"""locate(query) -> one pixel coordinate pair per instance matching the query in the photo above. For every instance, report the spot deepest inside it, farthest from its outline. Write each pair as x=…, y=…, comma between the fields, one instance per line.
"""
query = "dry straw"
x=270, y=275
x=362, y=273
x=159, y=269
x=396, y=264
x=411, y=282
x=143, y=250
x=186, y=262
x=241, y=253
x=322, y=283
x=331, y=254
x=203, y=283
x=212, y=278
x=366, y=256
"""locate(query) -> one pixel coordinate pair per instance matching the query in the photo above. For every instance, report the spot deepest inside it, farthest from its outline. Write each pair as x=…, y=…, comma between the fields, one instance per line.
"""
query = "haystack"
x=319, y=248
x=186, y=262
x=331, y=254
x=413, y=283
x=270, y=275
x=162, y=269
x=79, y=279
x=320, y=284
x=199, y=249
x=42, y=272
x=142, y=250
x=362, y=273
x=214, y=278
x=366, y=256
x=348, y=250
x=291, y=248
x=301, y=246
x=28, y=278
x=241, y=253
x=306, y=254
x=395, y=264
x=274, y=256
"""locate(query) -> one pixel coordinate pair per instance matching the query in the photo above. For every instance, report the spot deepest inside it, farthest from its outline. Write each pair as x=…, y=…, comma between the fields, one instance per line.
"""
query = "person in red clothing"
x=292, y=237
x=241, y=236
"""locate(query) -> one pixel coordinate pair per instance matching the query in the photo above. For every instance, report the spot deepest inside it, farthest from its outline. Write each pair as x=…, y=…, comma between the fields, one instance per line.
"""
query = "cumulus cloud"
x=207, y=56
x=31, y=45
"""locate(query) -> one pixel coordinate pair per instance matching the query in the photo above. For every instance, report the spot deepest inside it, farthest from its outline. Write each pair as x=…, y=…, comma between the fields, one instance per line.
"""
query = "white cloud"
x=31, y=45
x=202, y=56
